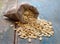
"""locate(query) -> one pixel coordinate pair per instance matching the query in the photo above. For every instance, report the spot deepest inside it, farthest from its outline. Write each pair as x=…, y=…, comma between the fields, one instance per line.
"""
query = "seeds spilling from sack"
x=35, y=29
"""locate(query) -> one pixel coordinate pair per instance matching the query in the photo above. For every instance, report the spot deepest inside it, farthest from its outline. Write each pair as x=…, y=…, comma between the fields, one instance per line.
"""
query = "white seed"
x=29, y=39
x=50, y=23
x=41, y=35
x=52, y=31
x=11, y=25
x=50, y=27
x=49, y=35
x=34, y=37
x=22, y=37
x=40, y=38
x=19, y=33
